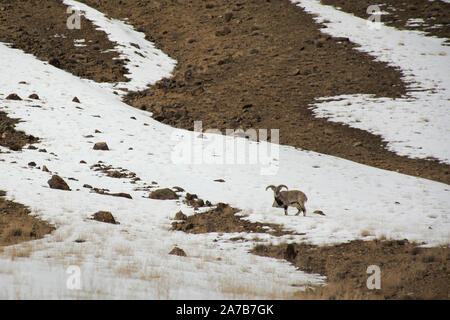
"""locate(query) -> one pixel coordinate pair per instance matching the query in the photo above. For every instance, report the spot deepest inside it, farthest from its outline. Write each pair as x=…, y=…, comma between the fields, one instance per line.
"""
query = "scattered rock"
x=56, y=182
x=223, y=32
x=120, y=194
x=104, y=216
x=13, y=96
x=320, y=43
x=190, y=196
x=55, y=62
x=45, y=169
x=342, y=39
x=319, y=212
x=219, y=180
x=163, y=194
x=193, y=201
x=295, y=72
x=178, y=252
x=228, y=16
x=33, y=96
x=180, y=216
x=178, y=189
x=101, y=146
x=32, y=164
x=76, y=100
x=88, y=186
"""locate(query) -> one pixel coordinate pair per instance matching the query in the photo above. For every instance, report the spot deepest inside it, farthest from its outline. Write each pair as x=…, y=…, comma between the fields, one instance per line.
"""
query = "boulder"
x=163, y=194
x=56, y=182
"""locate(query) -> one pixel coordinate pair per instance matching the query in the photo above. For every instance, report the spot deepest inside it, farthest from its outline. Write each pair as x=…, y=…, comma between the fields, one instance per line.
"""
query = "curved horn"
x=281, y=186
x=271, y=187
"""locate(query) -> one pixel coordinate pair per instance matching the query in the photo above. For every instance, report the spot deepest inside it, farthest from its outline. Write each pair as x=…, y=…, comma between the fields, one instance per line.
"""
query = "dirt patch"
x=407, y=272
x=261, y=64
x=223, y=218
x=17, y=225
x=39, y=27
x=401, y=14
x=10, y=137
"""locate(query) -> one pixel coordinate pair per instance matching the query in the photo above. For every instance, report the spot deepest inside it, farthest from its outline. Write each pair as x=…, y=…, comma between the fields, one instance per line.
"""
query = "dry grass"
x=19, y=251
x=235, y=290
x=407, y=271
x=17, y=225
x=366, y=233
x=332, y=291
x=129, y=269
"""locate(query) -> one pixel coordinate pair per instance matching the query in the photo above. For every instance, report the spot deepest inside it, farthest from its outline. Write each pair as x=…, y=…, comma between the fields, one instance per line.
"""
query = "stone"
x=56, y=182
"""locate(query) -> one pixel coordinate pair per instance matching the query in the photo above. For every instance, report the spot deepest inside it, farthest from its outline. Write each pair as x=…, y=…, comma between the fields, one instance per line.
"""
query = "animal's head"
x=276, y=190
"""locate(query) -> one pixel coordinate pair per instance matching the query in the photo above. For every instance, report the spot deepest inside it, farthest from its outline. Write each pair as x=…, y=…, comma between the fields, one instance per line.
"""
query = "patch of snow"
x=424, y=62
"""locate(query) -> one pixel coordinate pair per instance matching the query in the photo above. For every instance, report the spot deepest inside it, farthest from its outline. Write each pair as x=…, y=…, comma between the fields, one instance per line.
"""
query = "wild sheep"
x=289, y=198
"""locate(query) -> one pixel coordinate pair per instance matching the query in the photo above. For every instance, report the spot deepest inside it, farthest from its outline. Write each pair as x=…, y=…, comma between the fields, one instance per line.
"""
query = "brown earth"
x=39, y=27
x=223, y=218
x=237, y=68
x=407, y=271
x=260, y=64
x=436, y=14
x=17, y=225
x=12, y=138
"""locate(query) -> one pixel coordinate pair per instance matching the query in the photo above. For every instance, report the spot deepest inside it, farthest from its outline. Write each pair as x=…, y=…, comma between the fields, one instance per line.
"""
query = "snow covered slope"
x=145, y=63
x=416, y=126
x=130, y=260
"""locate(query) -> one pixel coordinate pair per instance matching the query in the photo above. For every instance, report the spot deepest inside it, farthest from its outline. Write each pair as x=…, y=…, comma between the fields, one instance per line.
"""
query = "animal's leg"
x=285, y=210
x=300, y=207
